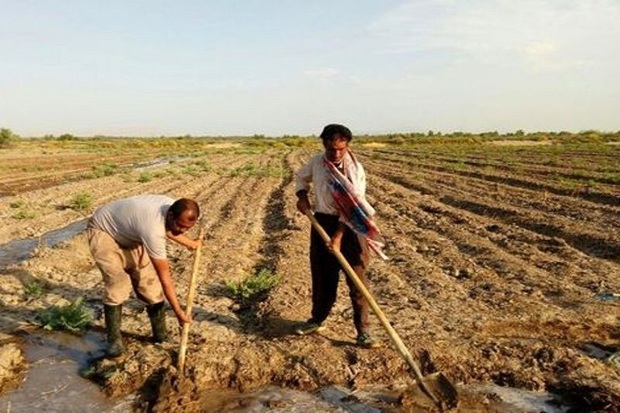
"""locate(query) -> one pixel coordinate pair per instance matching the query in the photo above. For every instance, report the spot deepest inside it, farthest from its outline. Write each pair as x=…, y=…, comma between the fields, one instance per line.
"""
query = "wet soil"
x=493, y=278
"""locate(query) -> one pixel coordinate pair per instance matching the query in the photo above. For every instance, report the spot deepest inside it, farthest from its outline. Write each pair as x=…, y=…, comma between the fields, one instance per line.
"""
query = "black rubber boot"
x=157, y=315
x=113, y=328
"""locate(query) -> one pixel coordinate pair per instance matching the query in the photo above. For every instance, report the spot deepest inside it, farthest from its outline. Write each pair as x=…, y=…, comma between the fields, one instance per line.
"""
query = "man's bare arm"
x=162, y=267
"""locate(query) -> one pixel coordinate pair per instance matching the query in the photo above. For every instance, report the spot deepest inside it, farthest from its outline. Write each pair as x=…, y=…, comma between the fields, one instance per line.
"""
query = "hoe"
x=436, y=386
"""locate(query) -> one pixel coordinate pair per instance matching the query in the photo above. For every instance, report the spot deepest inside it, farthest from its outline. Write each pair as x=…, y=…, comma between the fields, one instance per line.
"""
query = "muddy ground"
x=497, y=261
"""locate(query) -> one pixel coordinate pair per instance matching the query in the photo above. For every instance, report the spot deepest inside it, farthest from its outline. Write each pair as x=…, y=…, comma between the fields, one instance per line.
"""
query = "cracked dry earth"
x=493, y=277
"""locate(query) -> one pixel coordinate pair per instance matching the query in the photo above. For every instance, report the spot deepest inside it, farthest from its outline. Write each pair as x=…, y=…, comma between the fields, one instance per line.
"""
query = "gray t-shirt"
x=136, y=220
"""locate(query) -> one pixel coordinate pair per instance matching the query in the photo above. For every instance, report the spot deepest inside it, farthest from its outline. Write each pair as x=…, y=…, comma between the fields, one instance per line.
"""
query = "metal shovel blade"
x=435, y=386
x=443, y=389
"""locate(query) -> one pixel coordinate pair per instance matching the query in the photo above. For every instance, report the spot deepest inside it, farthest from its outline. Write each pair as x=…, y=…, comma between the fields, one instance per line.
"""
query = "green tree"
x=6, y=136
x=66, y=137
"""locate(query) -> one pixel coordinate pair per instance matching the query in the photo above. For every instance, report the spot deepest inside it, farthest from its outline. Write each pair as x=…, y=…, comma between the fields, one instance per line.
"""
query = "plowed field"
x=499, y=256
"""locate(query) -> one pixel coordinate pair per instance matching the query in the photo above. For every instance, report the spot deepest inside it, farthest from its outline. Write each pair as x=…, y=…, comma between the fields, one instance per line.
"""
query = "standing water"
x=53, y=383
x=20, y=250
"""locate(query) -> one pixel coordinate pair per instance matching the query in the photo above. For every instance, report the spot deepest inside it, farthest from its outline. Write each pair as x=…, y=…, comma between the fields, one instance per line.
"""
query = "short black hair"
x=333, y=129
x=181, y=205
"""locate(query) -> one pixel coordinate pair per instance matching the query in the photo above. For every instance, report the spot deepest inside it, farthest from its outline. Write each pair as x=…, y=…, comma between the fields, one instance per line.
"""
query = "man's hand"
x=336, y=241
x=184, y=240
x=183, y=317
x=193, y=244
x=303, y=204
x=335, y=244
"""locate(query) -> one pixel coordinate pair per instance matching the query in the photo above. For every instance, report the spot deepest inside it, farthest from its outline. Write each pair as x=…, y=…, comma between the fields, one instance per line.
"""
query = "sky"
x=289, y=67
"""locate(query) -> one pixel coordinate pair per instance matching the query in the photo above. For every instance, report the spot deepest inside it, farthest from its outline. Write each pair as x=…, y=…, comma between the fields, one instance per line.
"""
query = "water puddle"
x=473, y=399
x=157, y=163
x=275, y=399
x=521, y=401
x=20, y=250
x=53, y=383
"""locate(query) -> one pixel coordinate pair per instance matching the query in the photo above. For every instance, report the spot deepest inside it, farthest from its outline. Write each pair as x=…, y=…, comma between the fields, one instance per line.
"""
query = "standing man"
x=127, y=239
x=341, y=209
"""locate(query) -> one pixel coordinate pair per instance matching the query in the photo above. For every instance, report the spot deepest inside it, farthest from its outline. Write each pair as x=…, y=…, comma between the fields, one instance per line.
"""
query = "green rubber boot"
x=157, y=315
x=113, y=328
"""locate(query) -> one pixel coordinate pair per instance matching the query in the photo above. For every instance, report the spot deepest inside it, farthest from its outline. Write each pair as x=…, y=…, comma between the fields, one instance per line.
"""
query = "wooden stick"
x=190, y=302
x=375, y=308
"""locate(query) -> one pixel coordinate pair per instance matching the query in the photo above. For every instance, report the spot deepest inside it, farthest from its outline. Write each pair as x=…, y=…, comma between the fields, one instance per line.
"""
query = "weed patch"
x=24, y=214
x=73, y=317
x=81, y=201
x=253, y=288
x=34, y=289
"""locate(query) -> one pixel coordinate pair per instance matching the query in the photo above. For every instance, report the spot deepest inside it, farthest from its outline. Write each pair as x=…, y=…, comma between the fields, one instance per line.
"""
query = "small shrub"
x=74, y=317
x=191, y=170
x=251, y=169
x=145, y=177
x=203, y=165
x=33, y=289
x=81, y=201
x=254, y=287
x=24, y=214
x=17, y=204
x=105, y=169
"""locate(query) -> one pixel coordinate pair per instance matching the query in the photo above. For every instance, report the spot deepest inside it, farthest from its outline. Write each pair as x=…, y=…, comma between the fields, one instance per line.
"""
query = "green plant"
x=66, y=137
x=6, y=137
x=17, y=204
x=191, y=170
x=203, y=165
x=196, y=167
x=253, y=287
x=23, y=214
x=33, y=289
x=105, y=169
x=81, y=201
x=73, y=317
x=251, y=169
x=145, y=177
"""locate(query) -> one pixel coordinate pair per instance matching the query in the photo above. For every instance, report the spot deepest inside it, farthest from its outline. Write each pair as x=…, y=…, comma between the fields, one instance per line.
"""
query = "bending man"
x=127, y=239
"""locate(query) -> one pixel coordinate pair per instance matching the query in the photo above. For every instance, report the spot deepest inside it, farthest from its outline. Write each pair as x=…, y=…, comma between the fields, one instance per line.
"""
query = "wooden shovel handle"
x=190, y=302
x=400, y=346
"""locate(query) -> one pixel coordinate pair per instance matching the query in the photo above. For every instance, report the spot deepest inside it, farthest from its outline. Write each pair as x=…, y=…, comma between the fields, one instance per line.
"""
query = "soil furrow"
x=585, y=192
x=575, y=233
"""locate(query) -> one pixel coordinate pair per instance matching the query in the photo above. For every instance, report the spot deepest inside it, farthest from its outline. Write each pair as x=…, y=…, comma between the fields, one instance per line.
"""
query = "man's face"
x=182, y=224
x=336, y=149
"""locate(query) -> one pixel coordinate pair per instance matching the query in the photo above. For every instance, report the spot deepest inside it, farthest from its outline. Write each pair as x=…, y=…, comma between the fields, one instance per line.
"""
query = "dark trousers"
x=325, y=270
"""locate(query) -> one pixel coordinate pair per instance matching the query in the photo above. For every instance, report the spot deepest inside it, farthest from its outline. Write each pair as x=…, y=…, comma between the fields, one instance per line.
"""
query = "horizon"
x=412, y=134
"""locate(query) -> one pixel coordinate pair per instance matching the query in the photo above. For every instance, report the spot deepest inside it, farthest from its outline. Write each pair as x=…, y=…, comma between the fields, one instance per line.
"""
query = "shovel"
x=189, y=303
x=440, y=384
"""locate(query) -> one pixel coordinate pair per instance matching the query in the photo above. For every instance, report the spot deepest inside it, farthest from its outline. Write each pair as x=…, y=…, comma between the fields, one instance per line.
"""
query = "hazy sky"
x=233, y=67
